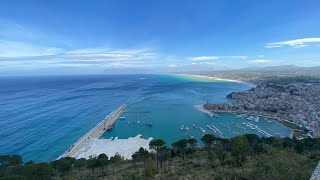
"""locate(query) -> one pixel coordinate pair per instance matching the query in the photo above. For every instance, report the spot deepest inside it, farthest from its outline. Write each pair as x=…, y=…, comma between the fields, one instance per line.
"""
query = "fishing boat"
x=109, y=128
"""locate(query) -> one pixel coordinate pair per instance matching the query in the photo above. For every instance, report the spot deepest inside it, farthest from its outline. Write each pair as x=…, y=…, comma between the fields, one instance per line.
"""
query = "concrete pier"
x=97, y=131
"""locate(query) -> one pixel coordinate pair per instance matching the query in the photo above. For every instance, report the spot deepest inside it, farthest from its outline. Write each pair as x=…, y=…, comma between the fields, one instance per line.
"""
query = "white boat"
x=239, y=116
x=250, y=118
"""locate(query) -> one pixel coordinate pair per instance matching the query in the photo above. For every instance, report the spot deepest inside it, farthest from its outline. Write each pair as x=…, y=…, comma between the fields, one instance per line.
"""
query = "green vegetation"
x=243, y=157
x=289, y=125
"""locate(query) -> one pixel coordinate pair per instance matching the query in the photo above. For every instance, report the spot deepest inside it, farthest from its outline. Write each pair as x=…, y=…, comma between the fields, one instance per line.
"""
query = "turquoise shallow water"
x=169, y=109
x=41, y=117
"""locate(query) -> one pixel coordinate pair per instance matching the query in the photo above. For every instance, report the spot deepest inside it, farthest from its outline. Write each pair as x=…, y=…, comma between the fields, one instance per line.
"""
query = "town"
x=291, y=100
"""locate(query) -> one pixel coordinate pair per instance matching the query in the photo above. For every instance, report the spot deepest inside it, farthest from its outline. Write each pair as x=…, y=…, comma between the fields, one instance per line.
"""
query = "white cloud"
x=172, y=65
x=300, y=46
x=72, y=65
x=90, y=50
x=202, y=58
x=206, y=58
x=25, y=46
x=203, y=63
x=22, y=49
x=293, y=43
x=26, y=54
x=260, y=61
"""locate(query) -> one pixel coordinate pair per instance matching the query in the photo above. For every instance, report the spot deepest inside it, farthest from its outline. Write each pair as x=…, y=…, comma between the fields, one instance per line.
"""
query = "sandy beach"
x=210, y=78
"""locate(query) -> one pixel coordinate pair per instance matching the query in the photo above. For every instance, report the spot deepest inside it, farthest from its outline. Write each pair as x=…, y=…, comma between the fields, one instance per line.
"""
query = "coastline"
x=202, y=109
x=210, y=78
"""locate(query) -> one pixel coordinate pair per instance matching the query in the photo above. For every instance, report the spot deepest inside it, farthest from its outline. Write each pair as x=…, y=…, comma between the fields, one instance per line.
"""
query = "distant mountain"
x=285, y=68
x=274, y=68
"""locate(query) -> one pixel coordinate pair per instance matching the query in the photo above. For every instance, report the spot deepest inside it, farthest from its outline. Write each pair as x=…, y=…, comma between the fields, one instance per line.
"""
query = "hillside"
x=243, y=157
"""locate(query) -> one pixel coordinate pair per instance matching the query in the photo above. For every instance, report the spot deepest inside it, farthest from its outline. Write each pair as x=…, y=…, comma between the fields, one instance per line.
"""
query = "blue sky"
x=96, y=36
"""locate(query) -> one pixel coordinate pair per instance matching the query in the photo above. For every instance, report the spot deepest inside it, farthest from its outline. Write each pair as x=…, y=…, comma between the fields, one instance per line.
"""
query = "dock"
x=97, y=131
x=187, y=132
x=203, y=132
x=215, y=130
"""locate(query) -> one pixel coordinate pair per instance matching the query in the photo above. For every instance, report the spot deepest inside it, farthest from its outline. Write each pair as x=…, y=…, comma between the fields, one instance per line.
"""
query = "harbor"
x=96, y=132
x=148, y=118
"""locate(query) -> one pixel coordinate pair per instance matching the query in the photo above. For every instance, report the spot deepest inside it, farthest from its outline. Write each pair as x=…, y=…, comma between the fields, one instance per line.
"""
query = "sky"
x=148, y=36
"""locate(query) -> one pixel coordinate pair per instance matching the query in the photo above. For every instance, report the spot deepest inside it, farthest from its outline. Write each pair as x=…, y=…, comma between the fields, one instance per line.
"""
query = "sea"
x=41, y=117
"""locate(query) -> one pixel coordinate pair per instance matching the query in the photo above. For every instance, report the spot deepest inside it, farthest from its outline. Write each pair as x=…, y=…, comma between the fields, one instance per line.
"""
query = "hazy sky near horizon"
x=125, y=36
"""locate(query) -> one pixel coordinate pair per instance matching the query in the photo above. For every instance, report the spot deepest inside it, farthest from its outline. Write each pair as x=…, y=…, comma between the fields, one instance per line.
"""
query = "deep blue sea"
x=41, y=117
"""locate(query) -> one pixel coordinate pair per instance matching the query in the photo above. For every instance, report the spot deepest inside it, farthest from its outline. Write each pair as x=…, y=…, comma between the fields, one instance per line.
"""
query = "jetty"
x=203, y=132
x=97, y=131
x=187, y=132
x=256, y=128
x=215, y=130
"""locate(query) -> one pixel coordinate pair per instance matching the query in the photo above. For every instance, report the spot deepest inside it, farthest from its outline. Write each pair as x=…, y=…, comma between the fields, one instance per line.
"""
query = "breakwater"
x=97, y=131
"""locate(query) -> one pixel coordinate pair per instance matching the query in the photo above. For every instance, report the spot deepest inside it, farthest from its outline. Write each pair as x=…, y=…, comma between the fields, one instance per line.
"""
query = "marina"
x=228, y=125
x=215, y=130
x=256, y=128
x=140, y=123
x=202, y=131
x=187, y=132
